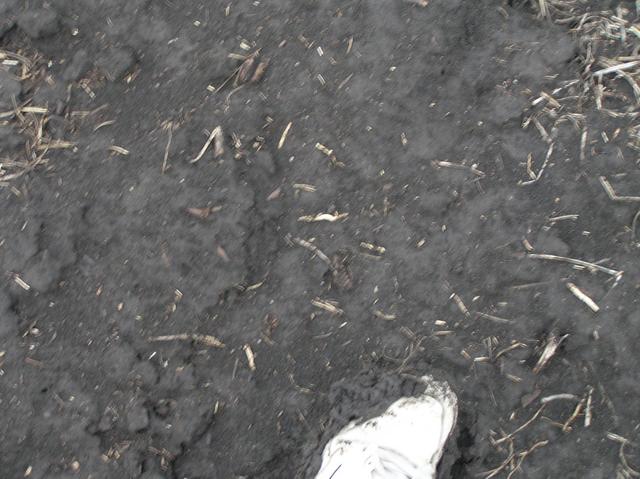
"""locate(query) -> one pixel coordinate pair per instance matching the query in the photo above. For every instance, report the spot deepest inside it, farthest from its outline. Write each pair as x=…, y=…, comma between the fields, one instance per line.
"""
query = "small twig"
x=576, y=412
x=577, y=262
x=583, y=297
x=613, y=195
x=494, y=472
x=523, y=455
x=313, y=248
x=545, y=163
x=519, y=429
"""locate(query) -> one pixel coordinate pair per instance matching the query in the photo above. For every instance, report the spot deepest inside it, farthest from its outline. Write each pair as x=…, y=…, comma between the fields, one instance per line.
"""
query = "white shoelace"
x=380, y=462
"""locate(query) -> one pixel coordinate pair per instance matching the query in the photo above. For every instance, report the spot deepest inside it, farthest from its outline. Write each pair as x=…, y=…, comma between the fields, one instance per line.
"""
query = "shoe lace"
x=385, y=463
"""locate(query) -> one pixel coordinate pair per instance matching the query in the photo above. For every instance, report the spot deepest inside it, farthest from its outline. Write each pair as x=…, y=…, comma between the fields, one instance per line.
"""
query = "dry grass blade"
x=305, y=187
x=542, y=168
x=216, y=131
x=550, y=348
x=283, y=138
x=165, y=159
x=577, y=262
x=119, y=150
x=613, y=195
x=327, y=305
x=30, y=120
x=16, y=56
x=520, y=428
x=204, y=339
x=313, y=248
x=330, y=217
x=457, y=166
x=566, y=427
x=557, y=397
x=523, y=455
x=616, y=68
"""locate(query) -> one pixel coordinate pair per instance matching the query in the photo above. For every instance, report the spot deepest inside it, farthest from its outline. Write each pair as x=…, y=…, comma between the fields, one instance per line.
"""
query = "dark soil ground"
x=428, y=269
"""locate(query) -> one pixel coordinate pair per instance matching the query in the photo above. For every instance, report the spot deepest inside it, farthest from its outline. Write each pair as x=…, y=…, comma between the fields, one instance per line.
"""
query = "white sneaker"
x=405, y=442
